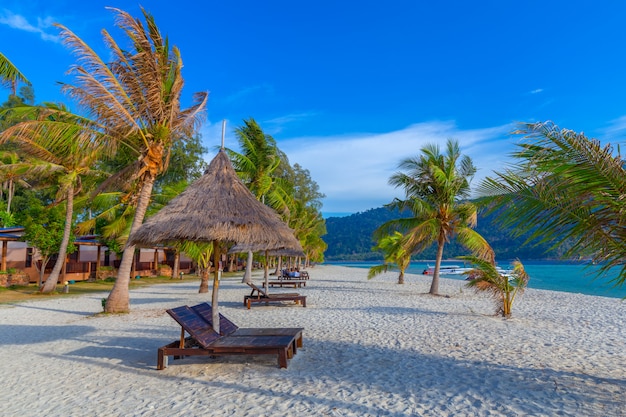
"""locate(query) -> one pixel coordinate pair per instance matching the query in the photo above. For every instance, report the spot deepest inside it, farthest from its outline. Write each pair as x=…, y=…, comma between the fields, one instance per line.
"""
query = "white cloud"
x=353, y=169
x=537, y=91
x=275, y=125
x=19, y=22
x=615, y=131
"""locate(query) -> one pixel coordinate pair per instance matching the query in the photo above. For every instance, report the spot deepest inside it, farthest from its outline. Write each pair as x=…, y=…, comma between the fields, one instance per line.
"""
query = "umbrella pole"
x=216, y=283
x=266, y=273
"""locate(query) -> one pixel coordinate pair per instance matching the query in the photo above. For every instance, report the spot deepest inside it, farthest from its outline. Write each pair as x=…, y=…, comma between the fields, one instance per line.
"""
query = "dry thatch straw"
x=216, y=207
x=287, y=249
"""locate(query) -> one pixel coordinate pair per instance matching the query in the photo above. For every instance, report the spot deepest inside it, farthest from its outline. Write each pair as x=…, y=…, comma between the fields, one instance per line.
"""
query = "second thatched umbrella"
x=217, y=208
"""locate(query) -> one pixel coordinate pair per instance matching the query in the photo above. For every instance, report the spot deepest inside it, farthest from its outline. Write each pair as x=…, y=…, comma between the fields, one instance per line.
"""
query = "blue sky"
x=348, y=89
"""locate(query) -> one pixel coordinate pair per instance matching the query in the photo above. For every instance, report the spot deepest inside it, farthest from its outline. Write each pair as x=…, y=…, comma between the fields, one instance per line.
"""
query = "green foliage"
x=395, y=252
x=7, y=219
x=186, y=162
x=565, y=190
x=350, y=238
x=485, y=277
x=43, y=224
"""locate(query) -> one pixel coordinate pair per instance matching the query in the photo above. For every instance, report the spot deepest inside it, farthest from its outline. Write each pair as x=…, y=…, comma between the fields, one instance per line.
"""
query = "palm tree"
x=13, y=171
x=436, y=186
x=503, y=287
x=255, y=165
x=395, y=253
x=135, y=103
x=67, y=155
x=564, y=189
x=201, y=253
x=10, y=75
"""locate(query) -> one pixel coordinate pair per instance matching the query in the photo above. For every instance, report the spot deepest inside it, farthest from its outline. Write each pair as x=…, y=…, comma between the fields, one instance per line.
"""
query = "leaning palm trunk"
x=52, y=280
x=434, y=286
x=119, y=299
x=176, y=269
x=205, y=271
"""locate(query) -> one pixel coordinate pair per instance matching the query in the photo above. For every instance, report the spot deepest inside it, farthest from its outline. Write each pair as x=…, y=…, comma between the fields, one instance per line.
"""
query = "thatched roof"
x=285, y=250
x=217, y=206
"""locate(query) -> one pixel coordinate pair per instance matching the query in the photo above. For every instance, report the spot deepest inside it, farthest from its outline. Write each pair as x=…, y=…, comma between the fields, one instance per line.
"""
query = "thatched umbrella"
x=217, y=208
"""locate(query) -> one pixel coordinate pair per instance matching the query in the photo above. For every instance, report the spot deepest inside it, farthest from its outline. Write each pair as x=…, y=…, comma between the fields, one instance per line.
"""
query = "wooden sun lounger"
x=204, y=341
x=229, y=328
x=286, y=283
x=260, y=296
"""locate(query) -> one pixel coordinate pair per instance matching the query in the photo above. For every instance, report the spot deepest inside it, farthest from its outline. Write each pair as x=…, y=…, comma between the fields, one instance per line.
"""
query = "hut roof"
x=294, y=249
x=217, y=206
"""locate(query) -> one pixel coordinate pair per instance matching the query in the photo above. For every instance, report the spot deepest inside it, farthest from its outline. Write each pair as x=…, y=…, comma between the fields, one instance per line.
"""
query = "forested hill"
x=350, y=238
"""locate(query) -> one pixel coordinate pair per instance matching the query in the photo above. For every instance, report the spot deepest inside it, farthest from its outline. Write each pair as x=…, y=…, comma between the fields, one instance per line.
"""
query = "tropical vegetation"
x=565, y=190
x=395, y=255
x=504, y=287
x=289, y=190
x=437, y=188
x=131, y=132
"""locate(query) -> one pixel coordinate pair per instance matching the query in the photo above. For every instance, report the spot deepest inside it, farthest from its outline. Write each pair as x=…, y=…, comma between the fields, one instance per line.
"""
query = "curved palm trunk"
x=119, y=299
x=434, y=286
x=51, y=282
x=204, y=279
x=401, y=277
x=176, y=268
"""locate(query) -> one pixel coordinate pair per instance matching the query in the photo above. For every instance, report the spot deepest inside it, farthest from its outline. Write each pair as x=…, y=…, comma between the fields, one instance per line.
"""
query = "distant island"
x=350, y=239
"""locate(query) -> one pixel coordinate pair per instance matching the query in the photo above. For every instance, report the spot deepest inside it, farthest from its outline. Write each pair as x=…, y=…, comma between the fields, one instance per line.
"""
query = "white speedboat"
x=446, y=270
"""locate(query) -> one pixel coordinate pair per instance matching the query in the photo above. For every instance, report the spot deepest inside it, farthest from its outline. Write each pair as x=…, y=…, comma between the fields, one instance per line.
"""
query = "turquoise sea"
x=547, y=275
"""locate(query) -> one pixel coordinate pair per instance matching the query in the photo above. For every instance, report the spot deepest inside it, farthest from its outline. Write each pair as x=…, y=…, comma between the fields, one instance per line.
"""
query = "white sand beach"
x=371, y=348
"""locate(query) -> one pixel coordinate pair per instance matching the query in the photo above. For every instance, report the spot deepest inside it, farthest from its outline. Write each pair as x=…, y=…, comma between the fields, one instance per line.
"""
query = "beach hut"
x=217, y=208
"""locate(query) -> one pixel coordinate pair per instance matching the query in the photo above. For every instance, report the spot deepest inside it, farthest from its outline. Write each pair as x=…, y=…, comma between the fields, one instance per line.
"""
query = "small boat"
x=446, y=270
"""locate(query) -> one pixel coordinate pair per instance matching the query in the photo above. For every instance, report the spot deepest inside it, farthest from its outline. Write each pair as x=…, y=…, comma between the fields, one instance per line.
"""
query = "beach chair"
x=204, y=341
x=286, y=283
x=260, y=296
x=229, y=328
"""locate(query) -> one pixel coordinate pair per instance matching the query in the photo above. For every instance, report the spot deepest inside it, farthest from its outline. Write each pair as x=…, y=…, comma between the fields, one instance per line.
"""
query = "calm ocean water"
x=546, y=275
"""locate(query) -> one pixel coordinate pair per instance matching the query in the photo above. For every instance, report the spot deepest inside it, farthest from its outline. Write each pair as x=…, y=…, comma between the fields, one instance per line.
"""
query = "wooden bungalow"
x=92, y=260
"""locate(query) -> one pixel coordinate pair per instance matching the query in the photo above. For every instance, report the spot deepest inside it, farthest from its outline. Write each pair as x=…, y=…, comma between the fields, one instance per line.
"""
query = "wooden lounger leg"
x=282, y=357
x=249, y=303
x=161, y=359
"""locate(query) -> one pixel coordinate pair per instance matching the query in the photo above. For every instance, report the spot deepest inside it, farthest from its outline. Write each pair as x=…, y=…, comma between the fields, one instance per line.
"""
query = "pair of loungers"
x=203, y=340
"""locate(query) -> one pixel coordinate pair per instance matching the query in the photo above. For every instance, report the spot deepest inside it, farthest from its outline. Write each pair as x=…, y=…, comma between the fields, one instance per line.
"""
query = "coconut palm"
x=201, y=253
x=67, y=155
x=10, y=75
x=255, y=164
x=13, y=172
x=503, y=287
x=436, y=186
x=135, y=102
x=395, y=253
x=564, y=189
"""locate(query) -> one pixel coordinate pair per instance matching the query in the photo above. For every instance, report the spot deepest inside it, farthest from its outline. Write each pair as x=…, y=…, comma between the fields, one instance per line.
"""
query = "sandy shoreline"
x=371, y=348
